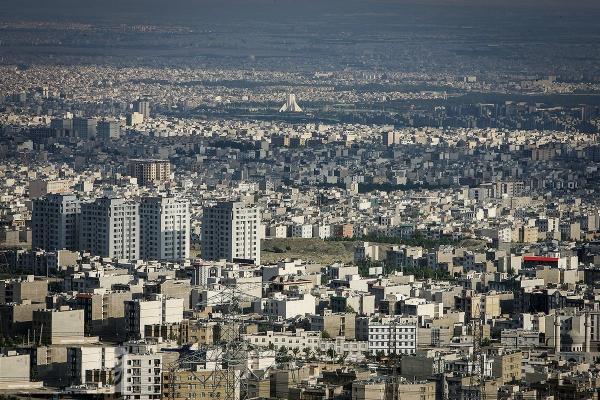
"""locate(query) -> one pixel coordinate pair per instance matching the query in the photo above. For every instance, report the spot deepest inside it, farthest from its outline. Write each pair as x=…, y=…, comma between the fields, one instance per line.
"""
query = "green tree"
x=331, y=353
x=307, y=351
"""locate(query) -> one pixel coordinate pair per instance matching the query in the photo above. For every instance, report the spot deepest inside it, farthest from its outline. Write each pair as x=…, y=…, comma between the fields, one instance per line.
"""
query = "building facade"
x=139, y=372
x=54, y=221
x=157, y=311
x=392, y=336
x=149, y=171
x=230, y=230
x=111, y=228
x=109, y=129
x=164, y=229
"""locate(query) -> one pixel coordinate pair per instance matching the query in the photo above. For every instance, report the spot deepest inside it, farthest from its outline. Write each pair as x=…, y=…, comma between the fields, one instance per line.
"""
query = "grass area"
x=313, y=250
x=473, y=244
x=321, y=251
x=329, y=251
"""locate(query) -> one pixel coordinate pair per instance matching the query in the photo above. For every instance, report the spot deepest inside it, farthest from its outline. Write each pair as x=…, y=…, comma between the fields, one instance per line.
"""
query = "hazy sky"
x=223, y=11
x=466, y=34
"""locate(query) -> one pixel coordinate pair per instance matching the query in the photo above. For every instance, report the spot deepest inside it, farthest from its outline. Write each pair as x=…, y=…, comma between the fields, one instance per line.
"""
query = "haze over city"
x=303, y=200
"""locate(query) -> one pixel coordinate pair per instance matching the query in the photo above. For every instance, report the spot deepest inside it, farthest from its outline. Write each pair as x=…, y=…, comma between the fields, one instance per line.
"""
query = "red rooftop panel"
x=540, y=259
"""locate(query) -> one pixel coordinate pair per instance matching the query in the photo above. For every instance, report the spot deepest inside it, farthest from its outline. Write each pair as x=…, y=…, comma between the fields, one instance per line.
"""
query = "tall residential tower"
x=111, y=228
x=54, y=222
x=164, y=228
x=230, y=230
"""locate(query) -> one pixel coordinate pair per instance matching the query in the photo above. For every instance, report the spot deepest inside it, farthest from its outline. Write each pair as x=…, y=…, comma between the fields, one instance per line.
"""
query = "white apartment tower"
x=111, y=228
x=164, y=229
x=54, y=222
x=139, y=373
x=392, y=335
x=230, y=230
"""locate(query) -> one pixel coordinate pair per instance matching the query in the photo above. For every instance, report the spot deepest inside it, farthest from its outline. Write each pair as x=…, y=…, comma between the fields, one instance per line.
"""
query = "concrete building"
x=519, y=338
x=201, y=332
x=302, y=231
x=376, y=390
x=230, y=230
x=49, y=364
x=134, y=118
x=200, y=384
x=104, y=312
x=19, y=290
x=392, y=335
x=164, y=229
x=351, y=349
x=109, y=129
x=41, y=187
x=139, y=372
x=63, y=326
x=92, y=365
x=110, y=228
x=362, y=303
x=54, y=222
x=142, y=106
x=16, y=318
x=300, y=339
x=282, y=306
x=149, y=171
x=159, y=310
x=85, y=128
x=507, y=366
x=15, y=372
x=338, y=324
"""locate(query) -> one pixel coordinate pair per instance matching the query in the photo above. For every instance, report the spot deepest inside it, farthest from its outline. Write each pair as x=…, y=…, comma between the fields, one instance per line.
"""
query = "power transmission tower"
x=392, y=386
x=477, y=378
x=223, y=367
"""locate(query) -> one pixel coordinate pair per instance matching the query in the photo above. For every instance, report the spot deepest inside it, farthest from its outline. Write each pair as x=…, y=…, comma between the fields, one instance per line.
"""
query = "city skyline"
x=300, y=200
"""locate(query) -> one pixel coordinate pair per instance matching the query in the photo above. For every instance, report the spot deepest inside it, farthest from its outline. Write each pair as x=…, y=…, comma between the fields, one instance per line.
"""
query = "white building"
x=110, y=228
x=366, y=250
x=91, y=364
x=278, y=231
x=291, y=267
x=284, y=307
x=322, y=231
x=392, y=335
x=54, y=222
x=159, y=310
x=302, y=231
x=300, y=339
x=262, y=359
x=205, y=273
x=403, y=256
x=164, y=229
x=139, y=373
x=353, y=349
x=230, y=230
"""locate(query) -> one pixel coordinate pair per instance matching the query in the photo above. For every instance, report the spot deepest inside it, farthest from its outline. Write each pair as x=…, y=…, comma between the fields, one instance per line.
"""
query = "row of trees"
x=417, y=240
x=283, y=354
